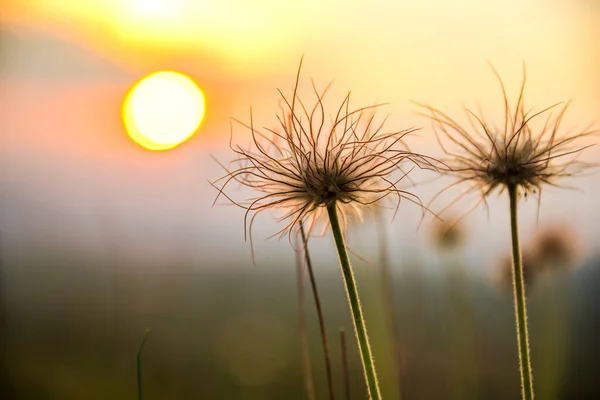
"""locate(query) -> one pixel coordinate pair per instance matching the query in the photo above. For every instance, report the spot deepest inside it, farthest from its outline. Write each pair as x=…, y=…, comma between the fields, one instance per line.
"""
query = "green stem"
x=519, y=298
x=360, y=328
x=308, y=381
x=345, y=363
x=387, y=289
x=139, y=365
x=313, y=284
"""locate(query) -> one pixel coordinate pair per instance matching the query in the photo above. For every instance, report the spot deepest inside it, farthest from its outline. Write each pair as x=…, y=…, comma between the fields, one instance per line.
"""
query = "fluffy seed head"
x=448, y=235
x=312, y=160
x=527, y=150
x=556, y=248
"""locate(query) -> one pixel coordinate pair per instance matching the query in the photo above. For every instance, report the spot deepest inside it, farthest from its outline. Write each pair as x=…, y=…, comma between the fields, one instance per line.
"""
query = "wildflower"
x=556, y=248
x=312, y=167
x=448, y=234
x=527, y=152
x=310, y=163
x=552, y=249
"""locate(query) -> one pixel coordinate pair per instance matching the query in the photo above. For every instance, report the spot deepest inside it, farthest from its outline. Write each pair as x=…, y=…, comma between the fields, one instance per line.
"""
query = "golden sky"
x=392, y=37
x=66, y=65
x=430, y=50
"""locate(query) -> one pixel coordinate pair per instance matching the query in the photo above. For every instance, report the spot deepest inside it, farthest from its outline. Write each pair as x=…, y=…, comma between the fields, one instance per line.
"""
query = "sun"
x=163, y=110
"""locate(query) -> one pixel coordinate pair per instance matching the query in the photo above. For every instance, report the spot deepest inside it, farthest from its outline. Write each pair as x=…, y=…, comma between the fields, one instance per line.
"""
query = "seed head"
x=312, y=160
x=556, y=247
x=448, y=234
x=553, y=249
x=527, y=151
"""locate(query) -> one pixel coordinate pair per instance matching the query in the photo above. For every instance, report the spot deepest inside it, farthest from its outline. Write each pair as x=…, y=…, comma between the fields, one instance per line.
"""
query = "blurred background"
x=101, y=238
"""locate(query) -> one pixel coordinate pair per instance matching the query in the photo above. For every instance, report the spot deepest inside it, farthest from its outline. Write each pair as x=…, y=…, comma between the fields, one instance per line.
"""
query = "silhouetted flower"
x=313, y=167
x=310, y=162
x=526, y=151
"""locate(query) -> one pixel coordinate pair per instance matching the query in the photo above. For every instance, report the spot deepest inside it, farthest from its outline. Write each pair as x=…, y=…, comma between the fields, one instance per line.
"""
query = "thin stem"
x=313, y=284
x=345, y=363
x=519, y=298
x=139, y=365
x=360, y=328
x=5, y=381
x=387, y=289
x=460, y=335
x=551, y=373
x=308, y=380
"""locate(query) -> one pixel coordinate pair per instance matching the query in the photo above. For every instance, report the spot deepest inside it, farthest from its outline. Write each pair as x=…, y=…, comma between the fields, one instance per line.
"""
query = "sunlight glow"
x=234, y=30
x=163, y=110
x=156, y=7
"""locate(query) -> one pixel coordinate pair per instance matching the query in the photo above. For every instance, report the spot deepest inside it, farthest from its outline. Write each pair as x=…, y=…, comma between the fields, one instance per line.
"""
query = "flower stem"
x=308, y=381
x=387, y=289
x=345, y=363
x=139, y=365
x=313, y=284
x=519, y=298
x=360, y=328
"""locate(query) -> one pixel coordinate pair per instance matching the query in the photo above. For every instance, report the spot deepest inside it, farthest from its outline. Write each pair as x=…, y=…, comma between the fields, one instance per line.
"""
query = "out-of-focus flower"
x=556, y=248
x=552, y=249
x=448, y=234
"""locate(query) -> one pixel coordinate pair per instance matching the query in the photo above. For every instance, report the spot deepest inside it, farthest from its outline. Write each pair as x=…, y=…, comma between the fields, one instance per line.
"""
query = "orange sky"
x=385, y=51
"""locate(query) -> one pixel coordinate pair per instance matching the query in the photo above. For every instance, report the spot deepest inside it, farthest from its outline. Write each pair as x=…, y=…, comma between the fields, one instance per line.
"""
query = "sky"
x=71, y=176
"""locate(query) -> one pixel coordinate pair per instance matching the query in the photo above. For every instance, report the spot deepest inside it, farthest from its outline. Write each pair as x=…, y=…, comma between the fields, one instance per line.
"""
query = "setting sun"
x=163, y=110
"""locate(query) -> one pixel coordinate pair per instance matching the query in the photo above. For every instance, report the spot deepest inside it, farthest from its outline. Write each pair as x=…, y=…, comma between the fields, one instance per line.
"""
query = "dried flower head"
x=555, y=248
x=526, y=151
x=312, y=160
x=448, y=234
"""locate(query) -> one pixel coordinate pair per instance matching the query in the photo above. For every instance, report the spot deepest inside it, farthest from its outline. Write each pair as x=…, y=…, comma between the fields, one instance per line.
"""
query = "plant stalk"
x=387, y=290
x=519, y=299
x=345, y=363
x=360, y=328
x=321, y=318
x=308, y=380
x=139, y=365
